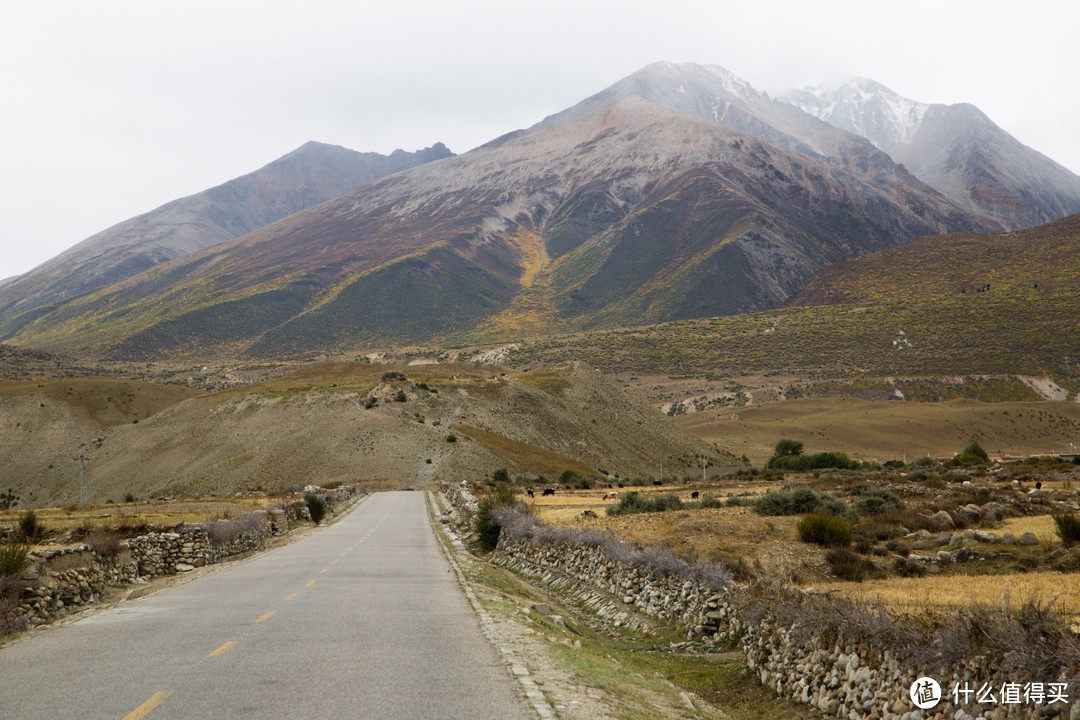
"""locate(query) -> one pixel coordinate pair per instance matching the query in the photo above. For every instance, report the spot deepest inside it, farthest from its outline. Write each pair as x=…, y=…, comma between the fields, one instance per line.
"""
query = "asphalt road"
x=362, y=619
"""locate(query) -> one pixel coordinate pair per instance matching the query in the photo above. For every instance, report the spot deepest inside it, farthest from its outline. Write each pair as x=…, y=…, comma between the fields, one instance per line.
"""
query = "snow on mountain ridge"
x=861, y=105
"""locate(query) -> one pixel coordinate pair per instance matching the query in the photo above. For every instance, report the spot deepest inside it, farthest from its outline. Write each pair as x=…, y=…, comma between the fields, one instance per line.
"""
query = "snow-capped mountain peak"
x=865, y=107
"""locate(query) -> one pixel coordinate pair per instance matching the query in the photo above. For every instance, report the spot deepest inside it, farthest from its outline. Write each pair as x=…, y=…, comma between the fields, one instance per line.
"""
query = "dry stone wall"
x=854, y=680
x=62, y=580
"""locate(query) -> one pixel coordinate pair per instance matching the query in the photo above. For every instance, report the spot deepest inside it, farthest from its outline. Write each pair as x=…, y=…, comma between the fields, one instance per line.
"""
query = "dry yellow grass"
x=106, y=516
x=916, y=595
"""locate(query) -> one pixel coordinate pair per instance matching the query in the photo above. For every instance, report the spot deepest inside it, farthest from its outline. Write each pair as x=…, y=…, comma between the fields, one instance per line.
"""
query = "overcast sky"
x=111, y=108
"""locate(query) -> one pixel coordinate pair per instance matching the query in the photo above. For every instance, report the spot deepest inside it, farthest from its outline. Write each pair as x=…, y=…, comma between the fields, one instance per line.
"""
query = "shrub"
x=129, y=498
x=1067, y=527
x=104, y=543
x=824, y=529
x=401, y=396
x=451, y=438
x=973, y=454
x=908, y=568
x=13, y=559
x=486, y=525
x=875, y=501
x=817, y=461
x=798, y=502
x=711, y=501
x=848, y=565
x=500, y=476
x=317, y=507
x=635, y=502
x=29, y=526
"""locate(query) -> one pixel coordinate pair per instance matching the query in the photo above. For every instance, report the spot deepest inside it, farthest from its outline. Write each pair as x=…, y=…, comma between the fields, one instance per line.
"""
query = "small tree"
x=787, y=447
x=501, y=476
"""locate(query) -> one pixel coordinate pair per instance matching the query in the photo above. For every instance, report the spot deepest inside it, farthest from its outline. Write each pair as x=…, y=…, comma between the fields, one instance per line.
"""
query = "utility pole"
x=82, y=479
x=704, y=464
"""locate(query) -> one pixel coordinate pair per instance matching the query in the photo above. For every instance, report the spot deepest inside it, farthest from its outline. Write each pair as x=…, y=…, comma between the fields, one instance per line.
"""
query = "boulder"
x=941, y=520
x=1028, y=538
x=993, y=512
x=971, y=513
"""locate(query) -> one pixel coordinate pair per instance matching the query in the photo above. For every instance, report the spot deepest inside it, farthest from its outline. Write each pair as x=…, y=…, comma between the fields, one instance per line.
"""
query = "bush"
x=635, y=502
x=711, y=501
x=104, y=543
x=1067, y=527
x=451, y=438
x=875, y=501
x=401, y=396
x=317, y=507
x=29, y=527
x=848, y=565
x=13, y=559
x=500, y=476
x=973, y=454
x=486, y=525
x=824, y=529
x=798, y=502
x=817, y=461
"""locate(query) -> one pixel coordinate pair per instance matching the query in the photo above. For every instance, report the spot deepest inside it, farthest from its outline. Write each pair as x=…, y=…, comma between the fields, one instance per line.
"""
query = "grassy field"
x=769, y=546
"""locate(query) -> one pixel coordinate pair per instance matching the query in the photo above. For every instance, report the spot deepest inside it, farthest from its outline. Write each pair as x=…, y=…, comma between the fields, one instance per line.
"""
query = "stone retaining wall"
x=62, y=580
x=844, y=679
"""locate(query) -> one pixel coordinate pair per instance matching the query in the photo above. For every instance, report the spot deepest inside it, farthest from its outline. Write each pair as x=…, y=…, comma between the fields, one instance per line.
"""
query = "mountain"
x=307, y=176
x=956, y=149
x=963, y=315
x=679, y=192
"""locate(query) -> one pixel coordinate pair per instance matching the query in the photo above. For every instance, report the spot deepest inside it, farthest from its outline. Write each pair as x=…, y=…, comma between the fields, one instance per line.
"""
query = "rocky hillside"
x=305, y=177
x=636, y=205
x=326, y=423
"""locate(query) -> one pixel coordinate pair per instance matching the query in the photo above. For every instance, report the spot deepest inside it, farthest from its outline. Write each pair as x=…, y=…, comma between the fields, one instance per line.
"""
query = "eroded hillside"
x=381, y=425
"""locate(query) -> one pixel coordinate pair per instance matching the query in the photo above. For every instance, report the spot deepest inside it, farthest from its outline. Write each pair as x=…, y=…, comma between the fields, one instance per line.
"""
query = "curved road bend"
x=362, y=619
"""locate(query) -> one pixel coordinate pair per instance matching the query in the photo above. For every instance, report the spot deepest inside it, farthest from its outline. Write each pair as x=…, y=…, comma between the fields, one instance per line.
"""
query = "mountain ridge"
x=306, y=176
x=955, y=148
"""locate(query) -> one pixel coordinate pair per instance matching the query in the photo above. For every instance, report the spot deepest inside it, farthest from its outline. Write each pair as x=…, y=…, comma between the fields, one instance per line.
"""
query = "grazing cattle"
x=588, y=514
x=1038, y=485
x=531, y=493
x=548, y=491
x=695, y=495
x=611, y=496
x=657, y=482
x=621, y=485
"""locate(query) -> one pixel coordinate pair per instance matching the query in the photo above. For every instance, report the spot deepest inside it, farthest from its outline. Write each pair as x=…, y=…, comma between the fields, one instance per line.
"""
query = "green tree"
x=501, y=476
x=787, y=447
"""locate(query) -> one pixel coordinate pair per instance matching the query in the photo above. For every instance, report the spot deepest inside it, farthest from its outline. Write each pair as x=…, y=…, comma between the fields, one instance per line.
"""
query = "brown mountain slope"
x=307, y=176
x=944, y=316
x=314, y=426
x=627, y=211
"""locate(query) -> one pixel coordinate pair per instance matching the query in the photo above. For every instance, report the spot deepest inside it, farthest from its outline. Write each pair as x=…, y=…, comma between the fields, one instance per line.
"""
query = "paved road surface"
x=362, y=619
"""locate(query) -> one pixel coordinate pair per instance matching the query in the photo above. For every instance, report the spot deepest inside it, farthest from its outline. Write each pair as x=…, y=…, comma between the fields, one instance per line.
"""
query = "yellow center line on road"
x=310, y=583
x=143, y=710
x=343, y=554
x=334, y=561
x=325, y=570
x=265, y=616
x=290, y=597
x=222, y=650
